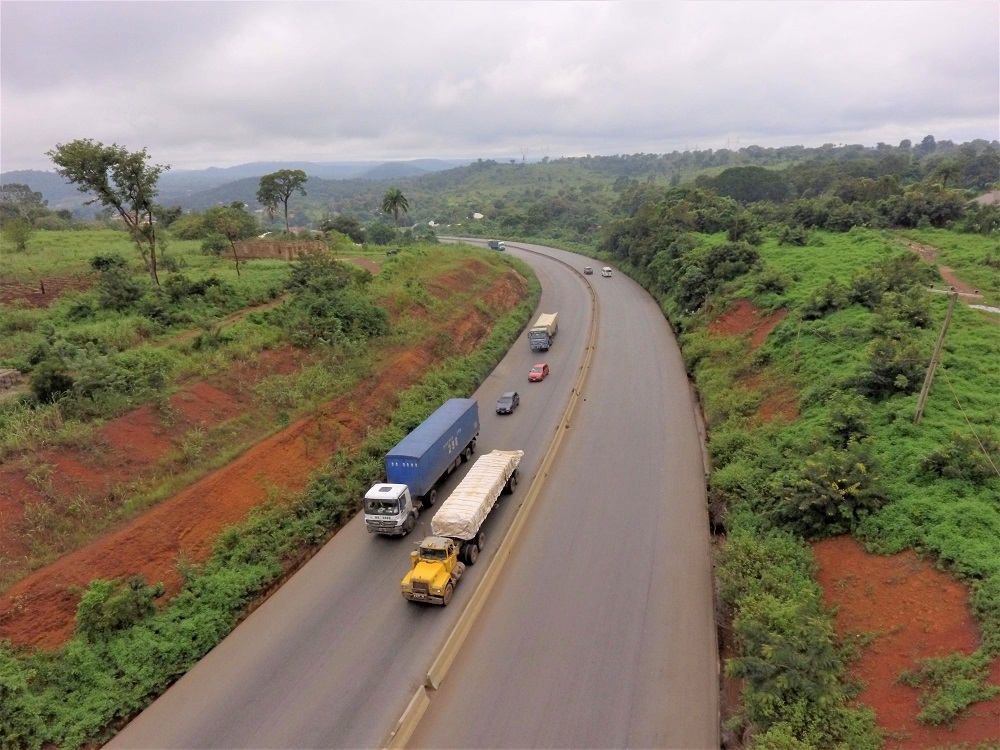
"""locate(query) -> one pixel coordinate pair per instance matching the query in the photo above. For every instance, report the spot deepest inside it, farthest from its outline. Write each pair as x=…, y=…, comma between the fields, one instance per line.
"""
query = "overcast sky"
x=217, y=84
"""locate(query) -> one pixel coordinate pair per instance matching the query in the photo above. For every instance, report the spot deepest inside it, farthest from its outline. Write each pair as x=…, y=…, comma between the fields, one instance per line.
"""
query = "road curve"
x=333, y=657
x=601, y=631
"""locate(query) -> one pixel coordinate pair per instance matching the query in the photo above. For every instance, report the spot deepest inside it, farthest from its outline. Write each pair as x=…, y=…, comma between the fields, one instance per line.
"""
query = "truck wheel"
x=448, y=591
x=466, y=454
x=431, y=497
x=408, y=524
x=472, y=446
x=471, y=553
x=481, y=540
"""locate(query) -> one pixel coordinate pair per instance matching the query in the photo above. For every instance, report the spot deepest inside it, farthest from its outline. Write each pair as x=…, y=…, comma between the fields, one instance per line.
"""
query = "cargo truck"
x=456, y=529
x=417, y=464
x=540, y=335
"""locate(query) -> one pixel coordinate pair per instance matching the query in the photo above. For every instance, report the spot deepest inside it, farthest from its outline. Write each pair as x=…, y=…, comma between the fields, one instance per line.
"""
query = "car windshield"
x=432, y=553
x=536, y=368
x=506, y=400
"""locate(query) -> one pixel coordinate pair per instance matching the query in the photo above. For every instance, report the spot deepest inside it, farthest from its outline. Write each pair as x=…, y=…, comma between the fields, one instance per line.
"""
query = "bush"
x=118, y=289
x=834, y=490
x=50, y=380
x=896, y=366
x=109, y=606
x=20, y=719
x=964, y=457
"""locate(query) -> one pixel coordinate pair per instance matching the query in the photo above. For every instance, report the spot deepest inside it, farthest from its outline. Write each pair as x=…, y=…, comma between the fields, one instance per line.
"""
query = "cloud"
x=219, y=83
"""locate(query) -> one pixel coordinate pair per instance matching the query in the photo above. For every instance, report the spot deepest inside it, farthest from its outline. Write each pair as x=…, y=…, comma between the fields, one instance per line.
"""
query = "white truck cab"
x=390, y=510
x=606, y=271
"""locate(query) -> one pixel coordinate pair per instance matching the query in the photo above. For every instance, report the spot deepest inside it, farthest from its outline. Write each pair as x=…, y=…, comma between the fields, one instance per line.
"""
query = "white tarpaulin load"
x=461, y=515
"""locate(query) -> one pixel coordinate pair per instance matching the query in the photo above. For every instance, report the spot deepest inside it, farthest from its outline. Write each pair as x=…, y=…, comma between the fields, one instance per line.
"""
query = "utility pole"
x=934, y=360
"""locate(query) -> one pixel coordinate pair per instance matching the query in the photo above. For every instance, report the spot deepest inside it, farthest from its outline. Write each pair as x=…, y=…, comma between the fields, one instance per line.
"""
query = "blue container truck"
x=417, y=463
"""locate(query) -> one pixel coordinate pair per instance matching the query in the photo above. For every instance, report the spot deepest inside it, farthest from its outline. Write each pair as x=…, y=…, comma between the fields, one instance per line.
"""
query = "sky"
x=202, y=84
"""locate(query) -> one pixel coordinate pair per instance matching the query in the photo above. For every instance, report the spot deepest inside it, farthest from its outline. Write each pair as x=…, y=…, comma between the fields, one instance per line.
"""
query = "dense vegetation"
x=817, y=234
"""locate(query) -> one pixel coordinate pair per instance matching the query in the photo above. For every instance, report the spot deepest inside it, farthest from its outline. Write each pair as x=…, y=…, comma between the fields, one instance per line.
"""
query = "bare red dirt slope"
x=40, y=609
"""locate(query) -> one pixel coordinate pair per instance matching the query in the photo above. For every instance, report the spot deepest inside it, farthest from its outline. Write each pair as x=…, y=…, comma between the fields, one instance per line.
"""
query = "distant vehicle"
x=606, y=271
x=394, y=251
x=508, y=402
x=541, y=333
x=496, y=245
x=501, y=245
x=588, y=270
x=538, y=372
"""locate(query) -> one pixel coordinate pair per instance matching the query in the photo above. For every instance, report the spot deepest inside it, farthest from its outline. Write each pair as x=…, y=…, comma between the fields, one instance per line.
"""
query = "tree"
x=20, y=201
x=120, y=180
x=380, y=233
x=278, y=187
x=345, y=225
x=233, y=223
x=394, y=202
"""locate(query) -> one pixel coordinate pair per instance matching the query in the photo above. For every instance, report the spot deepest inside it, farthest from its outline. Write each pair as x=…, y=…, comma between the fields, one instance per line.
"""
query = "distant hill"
x=197, y=188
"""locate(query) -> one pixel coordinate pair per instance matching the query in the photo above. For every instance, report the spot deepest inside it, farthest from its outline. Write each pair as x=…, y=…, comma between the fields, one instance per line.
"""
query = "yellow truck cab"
x=435, y=569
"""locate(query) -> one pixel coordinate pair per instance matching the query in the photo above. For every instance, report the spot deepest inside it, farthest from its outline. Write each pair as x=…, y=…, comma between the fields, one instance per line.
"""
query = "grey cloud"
x=218, y=83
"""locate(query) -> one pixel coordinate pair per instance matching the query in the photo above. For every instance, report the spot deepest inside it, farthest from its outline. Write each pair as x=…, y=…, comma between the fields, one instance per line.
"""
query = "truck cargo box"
x=463, y=513
x=419, y=459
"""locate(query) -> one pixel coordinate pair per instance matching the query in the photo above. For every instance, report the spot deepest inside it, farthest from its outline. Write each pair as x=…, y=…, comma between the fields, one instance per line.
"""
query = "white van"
x=606, y=271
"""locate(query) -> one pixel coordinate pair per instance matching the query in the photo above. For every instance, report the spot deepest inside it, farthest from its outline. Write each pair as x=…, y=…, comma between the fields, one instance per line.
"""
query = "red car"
x=538, y=372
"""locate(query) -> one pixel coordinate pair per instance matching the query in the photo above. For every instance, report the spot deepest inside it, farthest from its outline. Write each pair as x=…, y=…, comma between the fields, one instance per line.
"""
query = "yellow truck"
x=456, y=529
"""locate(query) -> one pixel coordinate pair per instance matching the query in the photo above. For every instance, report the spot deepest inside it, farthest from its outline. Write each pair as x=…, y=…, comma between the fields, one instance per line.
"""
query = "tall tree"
x=233, y=223
x=118, y=179
x=395, y=202
x=278, y=187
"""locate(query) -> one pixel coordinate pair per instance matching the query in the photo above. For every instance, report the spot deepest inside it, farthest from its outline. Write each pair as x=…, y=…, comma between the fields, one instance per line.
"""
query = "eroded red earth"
x=907, y=608
x=139, y=447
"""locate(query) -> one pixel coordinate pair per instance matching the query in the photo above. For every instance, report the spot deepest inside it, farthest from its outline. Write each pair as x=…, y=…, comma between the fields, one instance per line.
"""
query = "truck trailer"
x=540, y=335
x=456, y=529
x=416, y=465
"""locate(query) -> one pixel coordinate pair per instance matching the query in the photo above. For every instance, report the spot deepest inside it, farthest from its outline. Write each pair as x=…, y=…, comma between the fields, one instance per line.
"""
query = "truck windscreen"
x=390, y=507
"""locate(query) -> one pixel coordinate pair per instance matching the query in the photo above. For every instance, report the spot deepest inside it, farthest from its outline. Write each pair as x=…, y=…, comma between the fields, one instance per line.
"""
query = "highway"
x=601, y=630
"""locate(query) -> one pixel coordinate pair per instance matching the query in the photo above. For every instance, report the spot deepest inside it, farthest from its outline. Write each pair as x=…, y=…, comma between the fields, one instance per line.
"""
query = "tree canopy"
x=233, y=223
x=118, y=179
x=278, y=187
x=394, y=202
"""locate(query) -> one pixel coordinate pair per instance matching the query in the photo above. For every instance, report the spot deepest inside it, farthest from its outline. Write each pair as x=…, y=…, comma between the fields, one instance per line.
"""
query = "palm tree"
x=394, y=202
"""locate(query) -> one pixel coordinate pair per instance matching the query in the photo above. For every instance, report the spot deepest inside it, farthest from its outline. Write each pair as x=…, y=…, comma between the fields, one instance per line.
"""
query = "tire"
x=448, y=591
x=408, y=524
x=466, y=455
x=471, y=553
x=431, y=497
x=472, y=446
x=481, y=541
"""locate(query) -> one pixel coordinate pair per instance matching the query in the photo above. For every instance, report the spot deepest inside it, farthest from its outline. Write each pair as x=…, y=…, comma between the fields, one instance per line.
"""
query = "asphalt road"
x=600, y=632
x=333, y=657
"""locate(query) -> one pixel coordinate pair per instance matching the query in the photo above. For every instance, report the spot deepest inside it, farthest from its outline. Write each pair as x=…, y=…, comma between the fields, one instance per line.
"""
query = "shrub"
x=118, y=289
x=834, y=490
x=964, y=456
x=109, y=606
x=847, y=419
x=50, y=380
x=896, y=365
